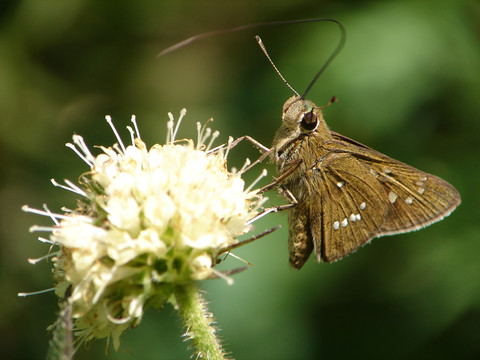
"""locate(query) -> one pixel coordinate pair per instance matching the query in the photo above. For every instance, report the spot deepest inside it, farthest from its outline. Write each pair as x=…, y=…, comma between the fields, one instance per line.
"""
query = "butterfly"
x=343, y=193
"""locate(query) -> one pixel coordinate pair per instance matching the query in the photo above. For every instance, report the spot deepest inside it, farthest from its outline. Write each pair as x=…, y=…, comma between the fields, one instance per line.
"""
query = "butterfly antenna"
x=260, y=43
x=335, y=52
x=341, y=43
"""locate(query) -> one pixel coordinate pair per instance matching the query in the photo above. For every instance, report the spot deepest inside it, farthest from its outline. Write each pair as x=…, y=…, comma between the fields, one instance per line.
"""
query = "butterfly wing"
x=351, y=207
x=364, y=194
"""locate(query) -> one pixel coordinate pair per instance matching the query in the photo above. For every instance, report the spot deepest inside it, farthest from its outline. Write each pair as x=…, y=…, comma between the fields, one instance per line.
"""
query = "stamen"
x=182, y=114
x=135, y=126
x=47, y=212
x=260, y=203
x=79, y=154
x=215, y=149
x=132, y=134
x=47, y=241
x=199, y=134
x=37, y=260
x=206, y=135
x=204, y=130
x=170, y=123
x=109, y=151
x=229, y=146
x=259, y=177
x=117, y=148
x=110, y=122
x=78, y=140
x=73, y=188
x=105, y=283
x=37, y=228
x=24, y=294
x=115, y=320
x=228, y=279
x=50, y=214
x=239, y=258
x=247, y=162
x=118, y=321
x=214, y=136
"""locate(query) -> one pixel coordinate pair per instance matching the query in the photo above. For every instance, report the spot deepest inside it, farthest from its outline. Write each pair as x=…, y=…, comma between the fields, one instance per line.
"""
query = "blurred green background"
x=408, y=84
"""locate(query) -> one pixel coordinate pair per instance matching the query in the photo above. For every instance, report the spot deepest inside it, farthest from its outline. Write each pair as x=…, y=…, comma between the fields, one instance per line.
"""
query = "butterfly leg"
x=249, y=240
x=274, y=209
x=282, y=177
x=263, y=149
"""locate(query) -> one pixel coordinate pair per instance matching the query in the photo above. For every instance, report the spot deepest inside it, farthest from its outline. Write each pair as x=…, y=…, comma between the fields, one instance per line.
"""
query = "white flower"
x=148, y=219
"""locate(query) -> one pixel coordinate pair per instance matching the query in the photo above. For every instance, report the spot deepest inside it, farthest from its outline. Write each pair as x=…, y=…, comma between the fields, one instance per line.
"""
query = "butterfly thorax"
x=299, y=143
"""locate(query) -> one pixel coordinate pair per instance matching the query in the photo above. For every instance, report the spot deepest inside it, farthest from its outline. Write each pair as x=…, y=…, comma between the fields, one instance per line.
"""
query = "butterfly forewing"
x=351, y=207
x=364, y=194
x=415, y=199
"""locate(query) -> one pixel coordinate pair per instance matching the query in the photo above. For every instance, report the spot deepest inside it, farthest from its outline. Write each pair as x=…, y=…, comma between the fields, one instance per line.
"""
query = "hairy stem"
x=199, y=322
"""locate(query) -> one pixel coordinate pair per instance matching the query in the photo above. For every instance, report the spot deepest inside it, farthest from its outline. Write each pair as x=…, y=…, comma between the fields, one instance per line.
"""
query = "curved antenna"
x=260, y=42
x=335, y=52
x=235, y=29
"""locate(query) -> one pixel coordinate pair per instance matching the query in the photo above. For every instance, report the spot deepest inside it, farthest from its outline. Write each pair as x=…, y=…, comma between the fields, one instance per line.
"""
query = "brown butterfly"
x=342, y=193
x=345, y=193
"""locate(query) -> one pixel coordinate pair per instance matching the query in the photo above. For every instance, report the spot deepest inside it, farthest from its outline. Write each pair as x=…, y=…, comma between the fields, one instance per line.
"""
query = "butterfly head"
x=300, y=118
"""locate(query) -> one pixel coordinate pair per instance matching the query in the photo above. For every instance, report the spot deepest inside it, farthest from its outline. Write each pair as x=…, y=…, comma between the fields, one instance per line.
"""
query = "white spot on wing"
x=353, y=218
x=340, y=183
x=409, y=200
x=392, y=197
x=336, y=225
x=363, y=205
x=421, y=190
x=358, y=217
x=344, y=223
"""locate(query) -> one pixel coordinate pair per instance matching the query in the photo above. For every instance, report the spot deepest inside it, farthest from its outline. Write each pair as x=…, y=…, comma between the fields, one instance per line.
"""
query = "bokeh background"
x=408, y=84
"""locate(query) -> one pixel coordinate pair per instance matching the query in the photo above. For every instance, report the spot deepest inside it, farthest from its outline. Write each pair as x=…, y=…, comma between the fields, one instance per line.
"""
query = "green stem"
x=198, y=321
x=61, y=345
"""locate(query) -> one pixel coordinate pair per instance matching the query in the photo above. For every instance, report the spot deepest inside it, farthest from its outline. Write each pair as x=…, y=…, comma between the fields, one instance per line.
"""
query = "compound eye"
x=309, y=121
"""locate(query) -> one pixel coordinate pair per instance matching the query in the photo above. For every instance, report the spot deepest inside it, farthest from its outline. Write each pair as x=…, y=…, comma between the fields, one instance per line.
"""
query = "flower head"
x=147, y=219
